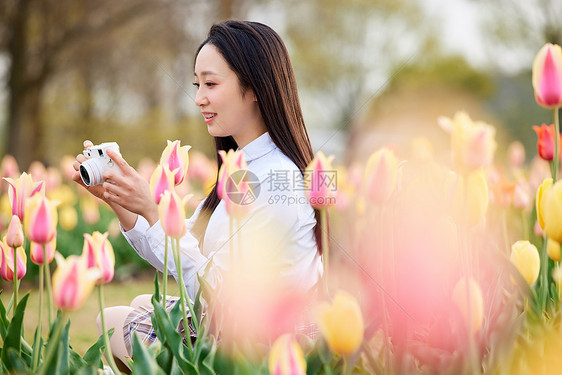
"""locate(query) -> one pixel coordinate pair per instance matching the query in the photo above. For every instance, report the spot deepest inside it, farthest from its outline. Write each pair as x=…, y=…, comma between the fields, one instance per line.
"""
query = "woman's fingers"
x=118, y=159
x=88, y=143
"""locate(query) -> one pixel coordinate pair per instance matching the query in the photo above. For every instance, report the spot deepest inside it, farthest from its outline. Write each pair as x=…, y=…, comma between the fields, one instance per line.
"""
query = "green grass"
x=83, y=329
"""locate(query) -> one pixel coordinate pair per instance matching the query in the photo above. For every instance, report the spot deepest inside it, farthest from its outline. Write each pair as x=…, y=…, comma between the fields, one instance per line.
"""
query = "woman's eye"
x=209, y=84
x=195, y=84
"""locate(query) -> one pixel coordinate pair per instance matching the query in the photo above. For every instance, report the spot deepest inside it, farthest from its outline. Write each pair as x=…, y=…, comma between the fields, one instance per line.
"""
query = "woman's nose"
x=201, y=98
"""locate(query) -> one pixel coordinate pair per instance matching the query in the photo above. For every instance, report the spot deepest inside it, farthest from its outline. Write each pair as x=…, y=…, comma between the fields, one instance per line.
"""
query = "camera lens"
x=91, y=172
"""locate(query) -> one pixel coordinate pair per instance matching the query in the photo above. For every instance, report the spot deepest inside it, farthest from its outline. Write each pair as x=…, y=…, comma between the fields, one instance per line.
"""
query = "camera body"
x=98, y=162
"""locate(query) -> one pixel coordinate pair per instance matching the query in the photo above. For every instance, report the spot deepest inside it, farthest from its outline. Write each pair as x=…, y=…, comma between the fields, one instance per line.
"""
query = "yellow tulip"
x=557, y=277
x=474, y=300
x=552, y=212
x=525, y=257
x=72, y=282
x=286, y=357
x=341, y=324
x=553, y=248
x=68, y=218
x=542, y=192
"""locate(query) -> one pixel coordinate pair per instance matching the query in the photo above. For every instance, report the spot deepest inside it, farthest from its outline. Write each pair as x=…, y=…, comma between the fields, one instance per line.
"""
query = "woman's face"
x=219, y=96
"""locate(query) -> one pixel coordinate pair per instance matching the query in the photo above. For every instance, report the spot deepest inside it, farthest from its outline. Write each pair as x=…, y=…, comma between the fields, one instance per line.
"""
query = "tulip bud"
x=231, y=162
x=162, y=179
x=286, y=357
x=98, y=253
x=381, y=176
x=547, y=76
x=20, y=190
x=177, y=159
x=471, y=306
x=320, y=180
x=172, y=214
x=7, y=261
x=525, y=257
x=40, y=219
x=341, y=324
x=14, y=236
x=72, y=282
x=542, y=192
x=553, y=249
x=545, y=142
x=36, y=251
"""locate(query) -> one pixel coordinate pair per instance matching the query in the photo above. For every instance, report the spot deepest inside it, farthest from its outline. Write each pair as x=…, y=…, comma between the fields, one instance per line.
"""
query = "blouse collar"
x=258, y=147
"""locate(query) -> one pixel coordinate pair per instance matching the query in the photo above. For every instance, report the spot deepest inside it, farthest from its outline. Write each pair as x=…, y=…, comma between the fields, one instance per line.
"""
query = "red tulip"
x=545, y=142
x=547, y=76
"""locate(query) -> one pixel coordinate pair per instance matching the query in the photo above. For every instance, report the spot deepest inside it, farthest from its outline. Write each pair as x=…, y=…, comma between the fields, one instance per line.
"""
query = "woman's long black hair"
x=259, y=58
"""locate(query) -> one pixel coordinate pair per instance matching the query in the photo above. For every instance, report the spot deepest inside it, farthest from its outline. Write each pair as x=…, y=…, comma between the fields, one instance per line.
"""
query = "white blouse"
x=279, y=224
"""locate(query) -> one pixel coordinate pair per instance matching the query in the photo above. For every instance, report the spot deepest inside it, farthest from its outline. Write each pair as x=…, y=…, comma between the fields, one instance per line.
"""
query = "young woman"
x=247, y=94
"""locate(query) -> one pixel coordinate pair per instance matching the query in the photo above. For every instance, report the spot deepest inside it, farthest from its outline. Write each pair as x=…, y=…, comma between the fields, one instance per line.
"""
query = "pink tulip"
x=98, y=253
x=20, y=190
x=238, y=194
x=286, y=357
x=9, y=166
x=547, y=76
x=177, y=158
x=172, y=214
x=320, y=179
x=72, y=282
x=381, y=176
x=36, y=251
x=40, y=221
x=14, y=236
x=162, y=179
x=7, y=262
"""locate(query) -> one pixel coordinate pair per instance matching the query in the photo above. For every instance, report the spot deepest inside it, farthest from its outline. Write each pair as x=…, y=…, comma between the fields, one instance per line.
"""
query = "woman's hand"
x=129, y=190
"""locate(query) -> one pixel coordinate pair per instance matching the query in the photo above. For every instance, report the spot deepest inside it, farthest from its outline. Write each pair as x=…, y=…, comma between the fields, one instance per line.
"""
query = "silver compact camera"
x=98, y=162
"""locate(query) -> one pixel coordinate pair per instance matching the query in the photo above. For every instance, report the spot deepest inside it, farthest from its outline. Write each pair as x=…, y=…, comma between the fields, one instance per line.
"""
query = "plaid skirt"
x=140, y=320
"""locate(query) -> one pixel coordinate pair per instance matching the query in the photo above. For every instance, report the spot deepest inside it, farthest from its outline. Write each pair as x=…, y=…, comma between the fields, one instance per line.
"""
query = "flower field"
x=447, y=265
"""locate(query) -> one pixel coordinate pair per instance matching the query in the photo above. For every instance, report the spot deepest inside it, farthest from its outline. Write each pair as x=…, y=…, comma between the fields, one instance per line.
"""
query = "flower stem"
x=48, y=284
x=165, y=278
x=555, y=161
x=543, y=292
x=37, y=347
x=108, y=352
x=325, y=248
x=183, y=292
x=53, y=343
x=16, y=286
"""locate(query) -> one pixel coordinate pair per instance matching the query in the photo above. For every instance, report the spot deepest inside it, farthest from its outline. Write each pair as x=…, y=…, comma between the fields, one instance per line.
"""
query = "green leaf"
x=156, y=298
x=208, y=359
x=87, y=370
x=144, y=363
x=171, y=338
x=64, y=350
x=94, y=353
x=16, y=363
x=14, y=334
x=4, y=322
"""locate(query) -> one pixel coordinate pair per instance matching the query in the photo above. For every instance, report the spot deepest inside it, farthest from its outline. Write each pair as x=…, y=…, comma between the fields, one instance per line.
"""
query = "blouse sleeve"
x=148, y=242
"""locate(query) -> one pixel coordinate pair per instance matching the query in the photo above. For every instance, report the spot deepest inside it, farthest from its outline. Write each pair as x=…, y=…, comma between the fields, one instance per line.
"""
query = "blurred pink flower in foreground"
x=286, y=357
x=72, y=282
x=319, y=181
x=381, y=176
x=20, y=190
